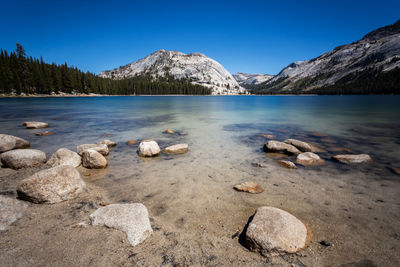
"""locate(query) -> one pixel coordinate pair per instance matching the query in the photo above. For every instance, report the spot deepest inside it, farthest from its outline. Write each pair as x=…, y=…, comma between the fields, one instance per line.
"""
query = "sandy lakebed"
x=353, y=211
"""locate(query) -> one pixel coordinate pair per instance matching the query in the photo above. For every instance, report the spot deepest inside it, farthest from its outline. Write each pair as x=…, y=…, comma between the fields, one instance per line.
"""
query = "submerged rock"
x=177, y=149
x=45, y=133
x=132, y=142
x=309, y=159
x=304, y=146
x=148, y=148
x=280, y=147
x=64, y=156
x=353, y=159
x=133, y=219
x=169, y=131
x=269, y=136
x=108, y=143
x=9, y=142
x=23, y=158
x=274, y=231
x=35, y=124
x=101, y=148
x=251, y=187
x=10, y=210
x=183, y=133
x=52, y=185
x=287, y=164
x=92, y=159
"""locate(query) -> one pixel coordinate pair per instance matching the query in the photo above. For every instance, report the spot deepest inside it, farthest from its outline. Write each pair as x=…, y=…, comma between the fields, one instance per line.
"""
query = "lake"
x=190, y=197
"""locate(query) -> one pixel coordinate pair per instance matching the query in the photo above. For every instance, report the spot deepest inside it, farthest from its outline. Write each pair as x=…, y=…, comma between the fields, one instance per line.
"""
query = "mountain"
x=195, y=67
x=370, y=65
x=245, y=79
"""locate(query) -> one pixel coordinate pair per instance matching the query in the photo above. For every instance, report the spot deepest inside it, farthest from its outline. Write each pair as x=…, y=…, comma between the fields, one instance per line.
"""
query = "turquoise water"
x=80, y=120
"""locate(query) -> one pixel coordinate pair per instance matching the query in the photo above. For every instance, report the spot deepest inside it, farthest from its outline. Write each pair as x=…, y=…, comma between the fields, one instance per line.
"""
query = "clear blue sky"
x=247, y=36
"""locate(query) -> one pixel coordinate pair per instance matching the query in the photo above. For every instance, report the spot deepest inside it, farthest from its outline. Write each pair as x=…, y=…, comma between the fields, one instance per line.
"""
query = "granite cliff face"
x=376, y=54
x=195, y=67
x=245, y=79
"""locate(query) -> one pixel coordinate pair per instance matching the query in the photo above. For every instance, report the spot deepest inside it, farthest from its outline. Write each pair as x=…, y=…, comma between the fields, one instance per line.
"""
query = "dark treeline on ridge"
x=22, y=74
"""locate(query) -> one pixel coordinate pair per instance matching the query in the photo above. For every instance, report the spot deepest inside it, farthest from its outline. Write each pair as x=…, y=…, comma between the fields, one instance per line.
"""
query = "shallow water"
x=190, y=195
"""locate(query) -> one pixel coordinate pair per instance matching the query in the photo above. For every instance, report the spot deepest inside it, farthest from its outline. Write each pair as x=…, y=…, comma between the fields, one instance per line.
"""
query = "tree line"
x=22, y=74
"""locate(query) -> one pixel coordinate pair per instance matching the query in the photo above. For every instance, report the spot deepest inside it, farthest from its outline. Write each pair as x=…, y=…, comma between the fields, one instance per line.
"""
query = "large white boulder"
x=52, y=185
x=133, y=219
x=148, y=148
x=274, y=231
x=23, y=158
x=64, y=156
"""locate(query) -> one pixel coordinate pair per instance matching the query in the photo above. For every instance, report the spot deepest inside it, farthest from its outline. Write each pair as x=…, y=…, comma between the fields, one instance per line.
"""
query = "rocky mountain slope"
x=195, y=67
x=245, y=79
x=366, y=66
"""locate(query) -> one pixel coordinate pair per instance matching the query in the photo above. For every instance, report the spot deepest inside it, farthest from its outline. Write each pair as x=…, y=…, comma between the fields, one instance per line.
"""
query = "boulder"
x=133, y=219
x=169, y=131
x=148, y=148
x=274, y=231
x=309, y=159
x=280, y=147
x=64, y=156
x=177, y=149
x=9, y=142
x=92, y=159
x=251, y=187
x=23, y=158
x=45, y=133
x=35, y=124
x=353, y=159
x=286, y=164
x=300, y=145
x=11, y=209
x=101, y=148
x=52, y=185
x=132, y=142
x=108, y=143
